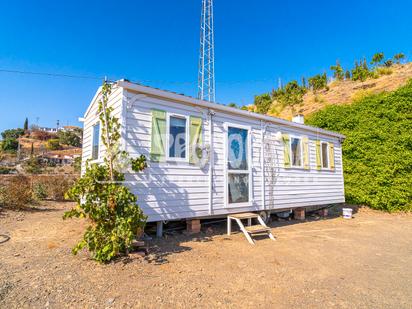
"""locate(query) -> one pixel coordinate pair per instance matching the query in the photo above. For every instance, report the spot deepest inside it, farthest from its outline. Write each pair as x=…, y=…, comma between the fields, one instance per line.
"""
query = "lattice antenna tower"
x=206, y=78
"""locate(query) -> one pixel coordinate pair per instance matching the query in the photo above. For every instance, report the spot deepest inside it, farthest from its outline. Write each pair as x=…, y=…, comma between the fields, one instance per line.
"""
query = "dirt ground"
x=319, y=263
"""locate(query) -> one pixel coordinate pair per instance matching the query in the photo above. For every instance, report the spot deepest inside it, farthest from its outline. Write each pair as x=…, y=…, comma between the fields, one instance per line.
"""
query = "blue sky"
x=156, y=42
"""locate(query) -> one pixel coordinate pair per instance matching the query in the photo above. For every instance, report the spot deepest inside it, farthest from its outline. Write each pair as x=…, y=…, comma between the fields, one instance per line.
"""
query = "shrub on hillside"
x=53, y=144
x=12, y=133
x=9, y=144
x=53, y=187
x=377, y=151
x=70, y=138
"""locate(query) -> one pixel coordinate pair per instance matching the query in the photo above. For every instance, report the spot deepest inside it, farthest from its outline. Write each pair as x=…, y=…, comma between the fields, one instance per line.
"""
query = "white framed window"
x=238, y=165
x=177, y=137
x=296, y=151
x=96, y=141
x=324, y=150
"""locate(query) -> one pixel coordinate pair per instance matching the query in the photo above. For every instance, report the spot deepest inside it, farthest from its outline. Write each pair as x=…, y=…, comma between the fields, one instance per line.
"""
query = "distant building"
x=49, y=130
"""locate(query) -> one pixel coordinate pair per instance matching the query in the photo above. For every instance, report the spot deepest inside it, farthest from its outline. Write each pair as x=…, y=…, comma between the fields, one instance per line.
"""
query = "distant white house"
x=207, y=159
x=49, y=130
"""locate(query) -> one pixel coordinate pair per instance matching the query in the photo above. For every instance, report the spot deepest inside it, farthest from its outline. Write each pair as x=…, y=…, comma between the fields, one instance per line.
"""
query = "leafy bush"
x=70, y=138
x=377, y=151
x=12, y=133
x=103, y=199
x=337, y=71
x=53, y=144
x=6, y=170
x=32, y=166
x=16, y=192
x=263, y=103
x=360, y=71
x=291, y=95
x=39, y=191
x=9, y=144
x=318, y=82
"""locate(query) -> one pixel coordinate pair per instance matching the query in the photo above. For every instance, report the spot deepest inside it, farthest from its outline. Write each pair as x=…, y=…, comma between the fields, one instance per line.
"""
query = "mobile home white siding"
x=177, y=190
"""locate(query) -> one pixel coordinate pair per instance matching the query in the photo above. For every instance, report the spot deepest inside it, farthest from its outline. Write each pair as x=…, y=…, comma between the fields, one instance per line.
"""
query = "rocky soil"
x=319, y=263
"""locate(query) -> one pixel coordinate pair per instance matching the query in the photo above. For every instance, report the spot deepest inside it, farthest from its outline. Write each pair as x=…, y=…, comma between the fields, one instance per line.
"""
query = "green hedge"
x=377, y=152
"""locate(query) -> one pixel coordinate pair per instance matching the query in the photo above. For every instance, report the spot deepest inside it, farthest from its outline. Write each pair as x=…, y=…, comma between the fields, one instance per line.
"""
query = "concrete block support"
x=323, y=212
x=193, y=226
x=299, y=213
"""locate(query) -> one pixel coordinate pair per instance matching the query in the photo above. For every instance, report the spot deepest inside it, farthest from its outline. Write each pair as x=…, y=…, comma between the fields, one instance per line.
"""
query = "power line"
x=145, y=81
x=51, y=74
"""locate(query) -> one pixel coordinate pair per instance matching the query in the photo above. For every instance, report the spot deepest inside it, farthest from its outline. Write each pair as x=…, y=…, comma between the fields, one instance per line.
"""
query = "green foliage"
x=361, y=71
x=6, y=170
x=9, y=144
x=318, y=82
x=377, y=151
x=263, y=103
x=70, y=138
x=53, y=144
x=377, y=58
x=39, y=191
x=337, y=71
x=232, y=105
x=102, y=198
x=388, y=63
x=399, y=57
x=347, y=75
x=291, y=95
x=26, y=124
x=32, y=166
x=77, y=164
x=12, y=133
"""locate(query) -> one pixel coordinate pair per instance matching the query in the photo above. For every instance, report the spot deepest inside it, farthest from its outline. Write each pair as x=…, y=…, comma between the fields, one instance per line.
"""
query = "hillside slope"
x=377, y=151
x=344, y=92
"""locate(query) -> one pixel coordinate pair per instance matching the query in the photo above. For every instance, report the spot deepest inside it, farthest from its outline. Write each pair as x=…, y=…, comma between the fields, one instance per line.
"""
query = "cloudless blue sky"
x=156, y=42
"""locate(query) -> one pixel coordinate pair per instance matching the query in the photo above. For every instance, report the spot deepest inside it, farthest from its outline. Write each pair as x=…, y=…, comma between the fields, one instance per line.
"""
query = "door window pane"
x=238, y=185
x=325, y=163
x=96, y=140
x=177, y=137
x=296, y=152
x=237, y=152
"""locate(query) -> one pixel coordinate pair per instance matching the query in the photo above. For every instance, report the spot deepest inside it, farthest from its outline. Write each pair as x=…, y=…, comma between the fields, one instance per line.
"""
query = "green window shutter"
x=195, y=138
x=332, y=156
x=305, y=142
x=318, y=154
x=158, y=146
x=286, y=150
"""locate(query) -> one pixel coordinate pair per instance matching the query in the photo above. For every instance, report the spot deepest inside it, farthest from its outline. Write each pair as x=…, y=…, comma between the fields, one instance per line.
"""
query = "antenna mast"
x=206, y=79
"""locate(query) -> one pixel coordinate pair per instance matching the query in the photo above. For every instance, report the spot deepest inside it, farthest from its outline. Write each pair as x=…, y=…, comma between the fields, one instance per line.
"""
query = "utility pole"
x=206, y=77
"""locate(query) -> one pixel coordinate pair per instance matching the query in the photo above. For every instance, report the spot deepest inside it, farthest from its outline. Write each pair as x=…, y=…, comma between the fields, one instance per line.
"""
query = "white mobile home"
x=207, y=159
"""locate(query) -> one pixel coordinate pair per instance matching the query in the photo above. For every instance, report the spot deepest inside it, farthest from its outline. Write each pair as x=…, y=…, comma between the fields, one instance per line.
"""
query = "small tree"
x=347, y=75
x=318, y=82
x=102, y=197
x=337, y=71
x=26, y=124
x=263, y=103
x=360, y=71
x=399, y=57
x=12, y=133
x=377, y=58
x=232, y=105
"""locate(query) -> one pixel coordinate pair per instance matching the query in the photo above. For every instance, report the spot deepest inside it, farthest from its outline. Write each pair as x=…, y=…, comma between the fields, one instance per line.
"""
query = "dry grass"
x=344, y=92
